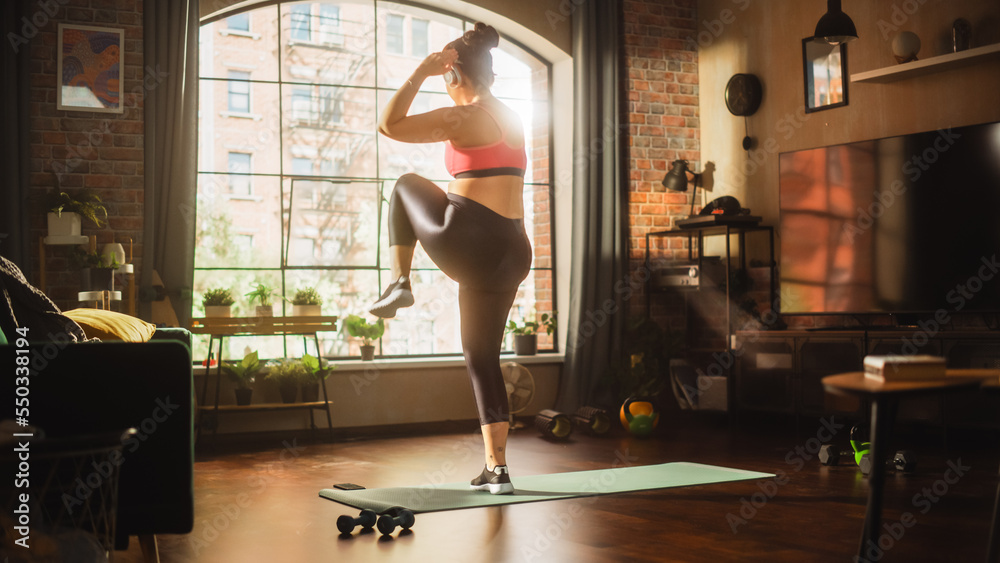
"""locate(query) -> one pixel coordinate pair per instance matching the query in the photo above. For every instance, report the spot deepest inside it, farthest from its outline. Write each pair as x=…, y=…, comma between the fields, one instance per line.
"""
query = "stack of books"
x=904, y=368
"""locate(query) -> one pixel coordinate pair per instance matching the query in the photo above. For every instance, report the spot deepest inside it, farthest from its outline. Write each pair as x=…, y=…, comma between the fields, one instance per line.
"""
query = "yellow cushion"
x=109, y=325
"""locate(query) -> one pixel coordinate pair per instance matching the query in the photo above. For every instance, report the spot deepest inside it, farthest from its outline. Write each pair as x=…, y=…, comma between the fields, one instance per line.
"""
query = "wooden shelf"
x=232, y=326
x=928, y=66
x=54, y=240
x=264, y=407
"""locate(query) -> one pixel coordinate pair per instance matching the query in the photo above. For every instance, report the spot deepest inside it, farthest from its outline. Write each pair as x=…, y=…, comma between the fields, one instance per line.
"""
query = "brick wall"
x=75, y=150
x=662, y=64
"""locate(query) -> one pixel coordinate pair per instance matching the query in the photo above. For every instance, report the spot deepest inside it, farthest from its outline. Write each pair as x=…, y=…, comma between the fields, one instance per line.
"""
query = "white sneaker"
x=396, y=296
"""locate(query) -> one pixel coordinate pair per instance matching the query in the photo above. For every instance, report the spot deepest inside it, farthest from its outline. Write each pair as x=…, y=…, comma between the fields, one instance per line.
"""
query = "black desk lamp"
x=676, y=180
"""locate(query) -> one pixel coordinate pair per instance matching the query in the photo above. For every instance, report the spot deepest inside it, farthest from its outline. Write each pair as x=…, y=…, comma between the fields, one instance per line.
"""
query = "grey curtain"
x=170, y=50
x=599, y=261
x=14, y=153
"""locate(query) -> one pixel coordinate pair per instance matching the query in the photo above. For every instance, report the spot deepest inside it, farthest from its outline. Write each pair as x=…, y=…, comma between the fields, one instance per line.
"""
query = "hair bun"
x=483, y=36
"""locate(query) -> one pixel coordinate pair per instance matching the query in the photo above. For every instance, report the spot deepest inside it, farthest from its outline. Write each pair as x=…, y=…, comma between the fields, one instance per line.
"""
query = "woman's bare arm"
x=429, y=127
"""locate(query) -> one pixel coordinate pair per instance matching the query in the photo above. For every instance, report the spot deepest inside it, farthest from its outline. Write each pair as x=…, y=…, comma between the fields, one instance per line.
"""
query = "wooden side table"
x=884, y=397
x=220, y=328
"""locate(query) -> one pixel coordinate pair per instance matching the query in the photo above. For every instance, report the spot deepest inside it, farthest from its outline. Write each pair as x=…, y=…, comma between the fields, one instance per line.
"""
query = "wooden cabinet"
x=780, y=371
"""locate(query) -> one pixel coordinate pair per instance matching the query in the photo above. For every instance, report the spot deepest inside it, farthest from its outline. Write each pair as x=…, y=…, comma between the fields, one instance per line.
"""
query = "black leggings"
x=489, y=255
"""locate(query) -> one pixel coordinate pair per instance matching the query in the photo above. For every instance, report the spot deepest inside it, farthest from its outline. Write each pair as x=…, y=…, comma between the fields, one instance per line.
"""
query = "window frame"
x=406, y=43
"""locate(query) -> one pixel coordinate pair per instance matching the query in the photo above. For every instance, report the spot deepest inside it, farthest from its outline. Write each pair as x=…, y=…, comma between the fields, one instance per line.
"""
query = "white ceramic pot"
x=115, y=251
x=64, y=225
x=218, y=311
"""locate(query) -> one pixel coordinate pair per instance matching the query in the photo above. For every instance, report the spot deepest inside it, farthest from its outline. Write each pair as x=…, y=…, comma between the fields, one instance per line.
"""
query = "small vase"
x=368, y=352
x=525, y=344
x=310, y=392
x=289, y=392
x=243, y=396
x=64, y=225
x=265, y=310
x=225, y=311
x=307, y=310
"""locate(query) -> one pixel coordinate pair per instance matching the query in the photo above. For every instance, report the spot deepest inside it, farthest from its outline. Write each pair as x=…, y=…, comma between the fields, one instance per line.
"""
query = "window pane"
x=534, y=297
x=419, y=38
x=239, y=173
x=333, y=223
x=221, y=219
x=395, y=65
x=519, y=74
x=221, y=131
x=239, y=92
x=341, y=51
x=431, y=325
x=336, y=125
x=221, y=51
x=239, y=282
x=300, y=22
x=330, y=31
x=239, y=22
x=394, y=33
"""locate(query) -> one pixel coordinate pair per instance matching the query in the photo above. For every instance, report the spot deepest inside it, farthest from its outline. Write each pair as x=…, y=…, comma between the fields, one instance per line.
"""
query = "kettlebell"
x=859, y=443
x=639, y=416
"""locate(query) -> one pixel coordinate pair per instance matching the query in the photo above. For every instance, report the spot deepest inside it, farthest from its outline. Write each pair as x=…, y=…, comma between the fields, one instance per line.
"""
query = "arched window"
x=292, y=171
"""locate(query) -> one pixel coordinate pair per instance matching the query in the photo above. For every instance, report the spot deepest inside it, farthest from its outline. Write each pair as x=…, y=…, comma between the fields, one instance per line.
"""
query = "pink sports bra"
x=494, y=159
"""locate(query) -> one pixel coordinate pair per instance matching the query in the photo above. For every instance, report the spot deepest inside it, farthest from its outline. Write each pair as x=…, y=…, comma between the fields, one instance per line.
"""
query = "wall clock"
x=743, y=94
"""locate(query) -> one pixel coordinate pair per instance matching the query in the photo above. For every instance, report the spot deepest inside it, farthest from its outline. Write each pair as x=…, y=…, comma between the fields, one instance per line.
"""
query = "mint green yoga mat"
x=534, y=488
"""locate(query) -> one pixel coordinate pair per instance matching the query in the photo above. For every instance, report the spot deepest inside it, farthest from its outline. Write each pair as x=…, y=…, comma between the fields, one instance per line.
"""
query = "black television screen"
x=907, y=224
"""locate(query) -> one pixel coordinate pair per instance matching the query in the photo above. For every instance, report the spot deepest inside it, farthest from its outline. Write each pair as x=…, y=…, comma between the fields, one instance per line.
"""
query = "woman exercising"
x=475, y=232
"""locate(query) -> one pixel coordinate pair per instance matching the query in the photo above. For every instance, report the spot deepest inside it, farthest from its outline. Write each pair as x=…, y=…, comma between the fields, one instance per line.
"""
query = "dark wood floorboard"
x=261, y=504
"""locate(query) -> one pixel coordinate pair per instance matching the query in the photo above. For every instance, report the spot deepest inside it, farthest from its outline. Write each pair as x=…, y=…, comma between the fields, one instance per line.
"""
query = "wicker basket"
x=72, y=491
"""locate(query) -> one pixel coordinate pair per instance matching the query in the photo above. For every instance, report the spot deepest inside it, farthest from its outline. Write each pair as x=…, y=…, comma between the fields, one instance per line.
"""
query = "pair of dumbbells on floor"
x=903, y=460
x=386, y=523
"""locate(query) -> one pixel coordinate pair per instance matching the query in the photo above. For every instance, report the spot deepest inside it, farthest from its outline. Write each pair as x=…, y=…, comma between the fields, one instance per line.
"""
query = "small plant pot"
x=225, y=311
x=289, y=392
x=243, y=396
x=368, y=352
x=525, y=344
x=98, y=279
x=307, y=310
x=310, y=392
x=65, y=225
x=265, y=310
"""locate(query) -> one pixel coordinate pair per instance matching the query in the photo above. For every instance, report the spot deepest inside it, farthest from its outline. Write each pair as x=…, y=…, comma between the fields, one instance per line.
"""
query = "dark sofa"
x=82, y=387
x=88, y=388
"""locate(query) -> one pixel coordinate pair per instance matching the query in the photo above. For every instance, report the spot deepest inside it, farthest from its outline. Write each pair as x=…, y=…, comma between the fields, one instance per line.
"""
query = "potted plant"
x=65, y=212
x=262, y=295
x=97, y=272
x=307, y=303
x=243, y=374
x=288, y=374
x=218, y=302
x=368, y=333
x=526, y=333
x=316, y=374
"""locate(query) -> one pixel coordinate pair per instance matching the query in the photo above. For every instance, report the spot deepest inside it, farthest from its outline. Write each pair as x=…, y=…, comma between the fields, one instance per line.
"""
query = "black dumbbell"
x=395, y=516
x=903, y=461
x=366, y=520
x=830, y=455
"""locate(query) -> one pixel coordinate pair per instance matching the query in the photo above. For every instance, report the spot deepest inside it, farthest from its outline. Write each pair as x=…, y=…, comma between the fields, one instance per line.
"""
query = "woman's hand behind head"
x=437, y=64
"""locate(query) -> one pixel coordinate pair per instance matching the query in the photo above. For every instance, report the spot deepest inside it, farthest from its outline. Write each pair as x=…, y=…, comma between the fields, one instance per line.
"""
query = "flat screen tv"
x=907, y=224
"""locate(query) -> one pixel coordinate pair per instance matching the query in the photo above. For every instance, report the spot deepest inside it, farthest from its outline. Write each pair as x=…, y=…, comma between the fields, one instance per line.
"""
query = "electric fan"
x=520, y=388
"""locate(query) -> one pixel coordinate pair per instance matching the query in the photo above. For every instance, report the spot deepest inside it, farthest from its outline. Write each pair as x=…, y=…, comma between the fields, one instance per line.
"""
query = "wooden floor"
x=262, y=505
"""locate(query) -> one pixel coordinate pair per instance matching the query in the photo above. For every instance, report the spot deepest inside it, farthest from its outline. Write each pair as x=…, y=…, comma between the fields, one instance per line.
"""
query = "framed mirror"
x=825, y=71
